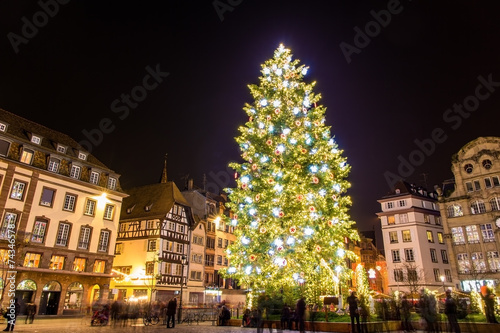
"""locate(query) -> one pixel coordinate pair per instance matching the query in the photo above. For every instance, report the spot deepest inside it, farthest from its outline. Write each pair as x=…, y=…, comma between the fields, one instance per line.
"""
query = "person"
x=245, y=321
x=11, y=315
x=406, y=315
x=353, y=311
x=451, y=311
x=300, y=312
x=285, y=317
x=427, y=305
x=489, y=306
x=30, y=313
x=224, y=314
x=171, y=308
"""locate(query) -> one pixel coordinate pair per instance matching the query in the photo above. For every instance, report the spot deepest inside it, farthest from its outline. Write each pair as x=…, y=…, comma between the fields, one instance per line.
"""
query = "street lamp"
x=442, y=280
x=183, y=263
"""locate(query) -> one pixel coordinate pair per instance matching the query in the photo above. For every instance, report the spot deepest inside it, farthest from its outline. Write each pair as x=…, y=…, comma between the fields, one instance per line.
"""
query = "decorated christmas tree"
x=290, y=204
x=363, y=288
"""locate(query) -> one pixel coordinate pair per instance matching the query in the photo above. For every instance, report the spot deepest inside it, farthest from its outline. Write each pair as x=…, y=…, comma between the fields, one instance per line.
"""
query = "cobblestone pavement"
x=82, y=325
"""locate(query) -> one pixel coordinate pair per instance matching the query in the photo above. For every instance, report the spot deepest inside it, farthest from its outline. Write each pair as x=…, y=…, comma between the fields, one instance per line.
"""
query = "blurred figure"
x=171, y=309
x=300, y=312
x=451, y=311
x=354, y=312
x=406, y=315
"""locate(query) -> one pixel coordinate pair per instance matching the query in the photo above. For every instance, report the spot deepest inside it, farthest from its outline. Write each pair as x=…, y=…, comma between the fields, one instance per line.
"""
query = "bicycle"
x=190, y=317
x=150, y=319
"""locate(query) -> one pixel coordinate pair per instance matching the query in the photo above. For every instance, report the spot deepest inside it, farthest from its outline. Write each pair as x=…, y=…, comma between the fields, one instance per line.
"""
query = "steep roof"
x=22, y=129
x=403, y=188
x=151, y=201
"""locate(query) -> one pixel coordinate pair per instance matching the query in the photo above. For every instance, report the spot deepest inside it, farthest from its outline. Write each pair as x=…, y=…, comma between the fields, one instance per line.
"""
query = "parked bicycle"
x=150, y=319
x=190, y=317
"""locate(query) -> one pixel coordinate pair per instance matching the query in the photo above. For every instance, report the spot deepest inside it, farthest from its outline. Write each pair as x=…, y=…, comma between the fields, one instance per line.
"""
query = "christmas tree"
x=290, y=207
x=363, y=288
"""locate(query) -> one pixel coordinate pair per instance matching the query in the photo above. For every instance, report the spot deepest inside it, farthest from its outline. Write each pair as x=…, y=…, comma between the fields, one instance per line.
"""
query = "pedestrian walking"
x=354, y=312
x=406, y=315
x=11, y=315
x=171, y=309
x=300, y=312
x=451, y=311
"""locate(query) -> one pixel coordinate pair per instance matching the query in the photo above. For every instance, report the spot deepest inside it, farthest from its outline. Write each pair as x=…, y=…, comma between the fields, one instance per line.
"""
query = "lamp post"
x=183, y=263
x=442, y=280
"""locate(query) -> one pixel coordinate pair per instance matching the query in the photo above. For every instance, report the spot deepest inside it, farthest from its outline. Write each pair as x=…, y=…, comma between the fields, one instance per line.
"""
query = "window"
x=389, y=205
x=178, y=269
x=9, y=223
x=90, y=207
x=3, y=127
x=447, y=274
x=226, y=261
x=401, y=203
x=219, y=242
x=390, y=219
x=430, y=236
x=180, y=248
x=4, y=147
x=427, y=218
x=487, y=164
x=168, y=246
x=477, y=207
x=150, y=268
x=472, y=234
x=398, y=275
x=61, y=149
x=79, y=264
x=27, y=156
x=75, y=171
x=433, y=255
x=477, y=185
x=487, y=231
x=469, y=187
x=118, y=248
x=495, y=204
x=403, y=218
x=444, y=256
x=437, y=275
x=454, y=211
x=108, y=212
x=103, y=241
x=171, y=226
x=69, y=202
x=84, y=238
x=412, y=275
x=463, y=263
x=468, y=168
x=17, y=190
x=36, y=139
x=47, y=198
x=477, y=261
x=195, y=275
x=32, y=259
x=63, y=234
x=180, y=228
x=395, y=256
x=151, y=245
x=437, y=219
x=496, y=180
x=393, y=237
x=493, y=260
x=210, y=243
x=82, y=156
x=440, y=237
x=487, y=183
x=406, y=236
x=112, y=183
x=54, y=164
x=409, y=256
x=57, y=262
x=100, y=266
x=219, y=260
x=94, y=177
x=38, y=234
x=457, y=235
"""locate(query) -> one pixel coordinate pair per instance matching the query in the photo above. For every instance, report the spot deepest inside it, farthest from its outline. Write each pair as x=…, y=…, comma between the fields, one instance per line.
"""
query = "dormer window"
x=36, y=139
x=148, y=207
x=61, y=149
x=3, y=127
x=27, y=156
x=82, y=156
x=94, y=177
x=130, y=209
x=75, y=171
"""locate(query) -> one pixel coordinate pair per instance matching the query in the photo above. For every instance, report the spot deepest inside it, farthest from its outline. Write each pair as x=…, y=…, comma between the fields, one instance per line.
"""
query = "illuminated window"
x=430, y=236
x=493, y=260
x=454, y=211
x=8, y=223
x=79, y=264
x=38, y=234
x=99, y=266
x=17, y=190
x=393, y=237
x=463, y=263
x=390, y=219
x=477, y=261
x=457, y=235
x=440, y=238
x=472, y=233
x=57, y=262
x=112, y=183
x=90, y=207
x=406, y=236
x=32, y=259
x=27, y=156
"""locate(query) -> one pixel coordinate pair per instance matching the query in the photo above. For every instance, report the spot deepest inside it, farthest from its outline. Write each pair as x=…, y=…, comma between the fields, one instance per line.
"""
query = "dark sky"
x=70, y=73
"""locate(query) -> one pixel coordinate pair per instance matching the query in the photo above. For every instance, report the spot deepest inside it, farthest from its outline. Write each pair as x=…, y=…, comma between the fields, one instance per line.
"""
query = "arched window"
x=455, y=210
x=477, y=207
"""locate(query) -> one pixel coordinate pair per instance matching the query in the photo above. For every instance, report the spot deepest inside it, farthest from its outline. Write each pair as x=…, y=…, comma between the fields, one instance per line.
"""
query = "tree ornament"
x=270, y=181
x=263, y=230
x=315, y=180
x=254, y=166
x=300, y=197
x=277, y=152
x=252, y=257
x=312, y=209
x=293, y=230
x=297, y=166
x=303, y=150
x=268, y=117
x=269, y=142
x=281, y=214
x=244, y=186
x=257, y=197
x=297, y=123
x=277, y=111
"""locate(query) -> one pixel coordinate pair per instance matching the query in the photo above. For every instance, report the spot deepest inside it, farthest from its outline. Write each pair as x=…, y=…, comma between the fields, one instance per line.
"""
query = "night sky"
x=404, y=79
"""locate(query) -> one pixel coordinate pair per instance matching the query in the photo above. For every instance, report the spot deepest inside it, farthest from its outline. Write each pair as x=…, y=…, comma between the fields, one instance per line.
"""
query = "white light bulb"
x=263, y=102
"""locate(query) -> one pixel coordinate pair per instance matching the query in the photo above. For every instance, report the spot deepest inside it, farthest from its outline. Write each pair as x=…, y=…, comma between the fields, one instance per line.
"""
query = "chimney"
x=190, y=184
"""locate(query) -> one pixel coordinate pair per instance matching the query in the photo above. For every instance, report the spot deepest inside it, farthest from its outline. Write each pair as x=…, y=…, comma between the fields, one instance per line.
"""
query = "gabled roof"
x=402, y=188
x=151, y=201
x=22, y=129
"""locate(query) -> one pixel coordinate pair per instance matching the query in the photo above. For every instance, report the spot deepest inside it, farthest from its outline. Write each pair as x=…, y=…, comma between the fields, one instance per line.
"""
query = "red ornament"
x=318, y=248
x=312, y=209
x=303, y=150
x=254, y=166
x=277, y=152
x=283, y=136
x=293, y=229
x=269, y=142
x=277, y=111
x=300, y=197
x=330, y=223
x=252, y=257
x=263, y=230
x=257, y=197
x=315, y=180
x=281, y=214
x=297, y=123
x=280, y=248
x=334, y=197
x=244, y=186
x=297, y=166
x=270, y=180
x=268, y=117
